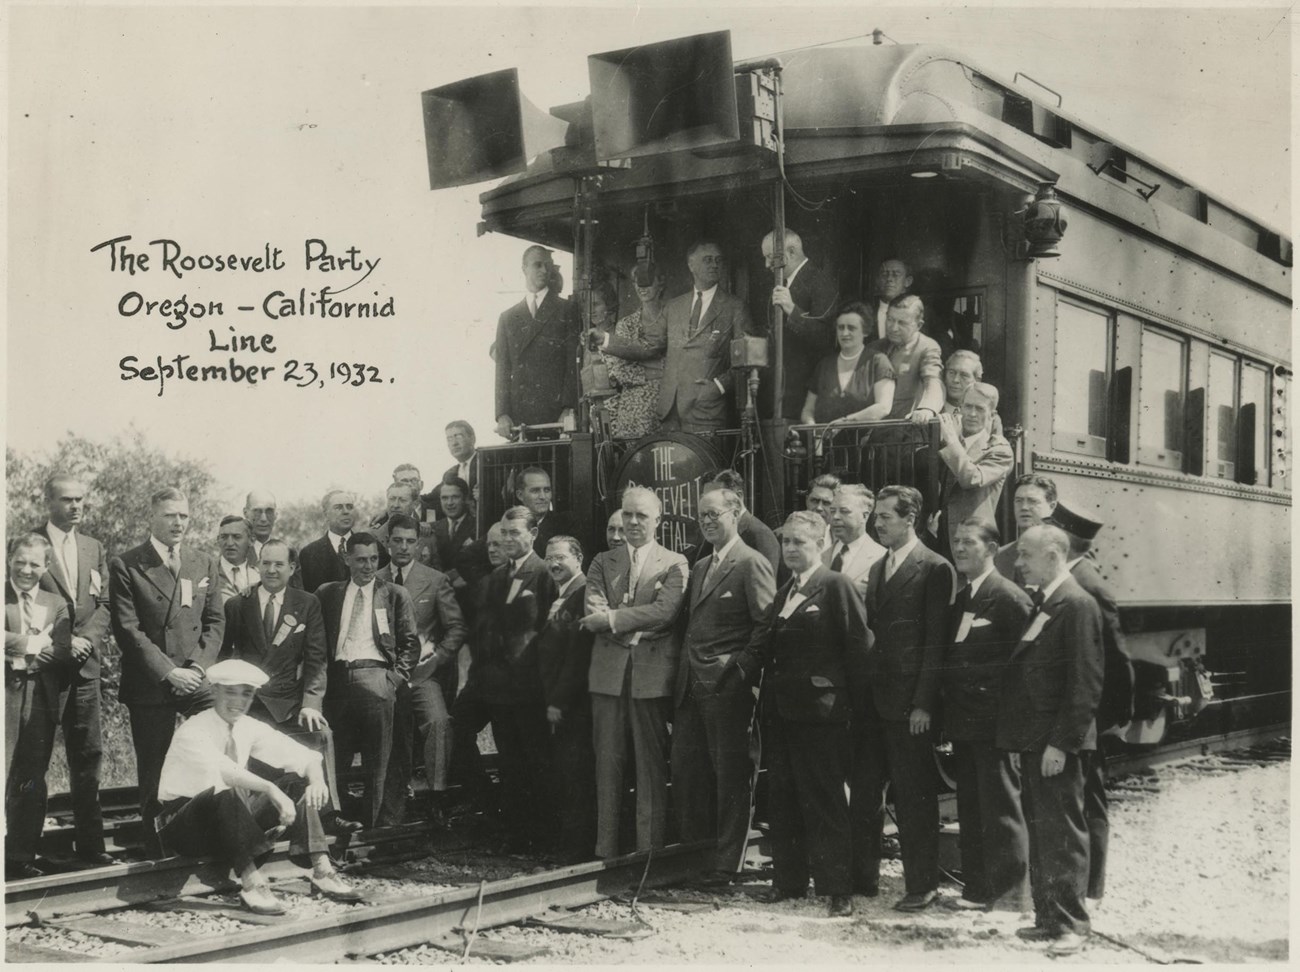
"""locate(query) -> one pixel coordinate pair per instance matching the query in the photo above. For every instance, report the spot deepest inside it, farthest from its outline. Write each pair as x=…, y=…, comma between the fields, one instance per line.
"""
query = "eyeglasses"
x=712, y=516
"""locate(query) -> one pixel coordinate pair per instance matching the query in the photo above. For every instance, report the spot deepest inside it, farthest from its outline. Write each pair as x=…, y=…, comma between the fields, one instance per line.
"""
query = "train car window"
x=1082, y=374
x=1162, y=375
x=1221, y=418
x=1254, y=391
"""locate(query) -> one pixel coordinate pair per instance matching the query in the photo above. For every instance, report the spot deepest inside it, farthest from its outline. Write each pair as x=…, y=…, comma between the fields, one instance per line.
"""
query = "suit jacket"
x=858, y=569
x=909, y=616
x=432, y=500
x=727, y=619
x=564, y=653
x=438, y=617
x=536, y=363
x=426, y=551
x=294, y=658
x=86, y=596
x=815, y=660
x=454, y=549
x=1116, y=706
x=756, y=535
x=972, y=477
x=227, y=586
x=556, y=523
x=396, y=638
x=319, y=563
x=155, y=630
x=506, y=666
x=705, y=356
x=972, y=668
x=809, y=333
x=1052, y=686
x=48, y=610
x=645, y=634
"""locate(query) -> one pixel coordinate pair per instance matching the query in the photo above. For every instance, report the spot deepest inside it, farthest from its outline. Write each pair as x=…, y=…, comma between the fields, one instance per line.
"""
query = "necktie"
x=174, y=561
x=268, y=619
x=25, y=613
x=397, y=577
x=694, y=323
x=890, y=565
x=232, y=751
x=355, y=618
x=343, y=547
x=837, y=564
x=1036, y=596
x=532, y=305
x=69, y=554
x=708, y=571
x=634, y=574
x=239, y=584
x=794, y=589
x=514, y=569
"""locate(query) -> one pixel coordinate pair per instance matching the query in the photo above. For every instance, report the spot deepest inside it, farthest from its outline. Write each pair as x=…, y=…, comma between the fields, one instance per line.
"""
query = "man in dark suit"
x=235, y=546
x=422, y=710
x=372, y=648
x=79, y=574
x=38, y=662
x=893, y=279
x=325, y=559
x=635, y=592
x=453, y=533
x=403, y=499
x=260, y=510
x=563, y=658
x=518, y=601
x=731, y=594
x=753, y=532
x=1116, y=707
x=1033, y=501
x=460, y=443
x=814, y=655
x=537, y=352
x=808, y=298
x=695, y=332
x=534, y=491
x=1047, y=714
x=986, y=622
x=168, y=623
x=908, y=594
x=280, y=629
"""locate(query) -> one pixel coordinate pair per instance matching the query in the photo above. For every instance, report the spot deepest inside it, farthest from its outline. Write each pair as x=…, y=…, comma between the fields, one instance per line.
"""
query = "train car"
x=1136, y=326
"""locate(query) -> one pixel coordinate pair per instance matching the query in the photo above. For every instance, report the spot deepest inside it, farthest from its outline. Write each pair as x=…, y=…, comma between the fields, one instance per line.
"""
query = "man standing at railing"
x=808, y=298
x=917, y=361
x=976, y=463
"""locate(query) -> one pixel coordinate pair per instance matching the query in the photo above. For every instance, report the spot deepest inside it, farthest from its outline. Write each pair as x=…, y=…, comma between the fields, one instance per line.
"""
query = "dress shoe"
x=260, y=901
x=1036, y=933
x=917, y=902
x=965, y=904
x=96, y=858
x=333, y=886
x=342, y=825
x=17, y=870
x=841, y=906
x=1066, y=943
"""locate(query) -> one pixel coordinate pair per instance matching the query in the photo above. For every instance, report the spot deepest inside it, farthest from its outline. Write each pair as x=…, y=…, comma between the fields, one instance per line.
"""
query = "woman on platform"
x=855, y=385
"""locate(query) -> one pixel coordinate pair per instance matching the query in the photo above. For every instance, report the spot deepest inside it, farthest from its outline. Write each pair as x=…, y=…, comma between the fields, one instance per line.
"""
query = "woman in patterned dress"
x=633, y=411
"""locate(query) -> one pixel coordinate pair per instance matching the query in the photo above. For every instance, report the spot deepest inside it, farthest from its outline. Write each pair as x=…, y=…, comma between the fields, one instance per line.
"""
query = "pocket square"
x=812, y=608
x=725, y=594
x=301, y=627
x=202, y=584
x=981, y=623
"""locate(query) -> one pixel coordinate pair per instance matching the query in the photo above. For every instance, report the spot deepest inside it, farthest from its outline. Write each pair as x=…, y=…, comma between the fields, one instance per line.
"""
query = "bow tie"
x=1036, y=596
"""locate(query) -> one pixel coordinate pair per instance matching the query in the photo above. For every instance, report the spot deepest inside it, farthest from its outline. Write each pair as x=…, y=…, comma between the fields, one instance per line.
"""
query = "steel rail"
x=384, y=927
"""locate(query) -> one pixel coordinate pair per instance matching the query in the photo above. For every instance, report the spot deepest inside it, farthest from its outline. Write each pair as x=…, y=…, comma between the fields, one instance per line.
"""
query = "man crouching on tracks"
x=212, y=806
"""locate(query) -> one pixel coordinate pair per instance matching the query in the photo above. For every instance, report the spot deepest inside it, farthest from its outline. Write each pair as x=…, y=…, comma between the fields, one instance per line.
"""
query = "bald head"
x=1042, y=553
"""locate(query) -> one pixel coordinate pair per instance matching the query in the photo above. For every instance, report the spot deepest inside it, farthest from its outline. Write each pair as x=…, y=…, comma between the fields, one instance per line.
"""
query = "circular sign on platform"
x=674, y=465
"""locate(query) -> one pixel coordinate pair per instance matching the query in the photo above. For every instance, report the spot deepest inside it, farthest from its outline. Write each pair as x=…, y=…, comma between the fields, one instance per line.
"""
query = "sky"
x=231, y=130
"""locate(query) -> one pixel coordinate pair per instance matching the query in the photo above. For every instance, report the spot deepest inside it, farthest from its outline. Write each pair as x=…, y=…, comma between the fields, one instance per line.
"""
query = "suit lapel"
x=909, y=566
x=160, y=575
x=620, y=583
x=528, y=327
x=722, y=570
x=252, y=607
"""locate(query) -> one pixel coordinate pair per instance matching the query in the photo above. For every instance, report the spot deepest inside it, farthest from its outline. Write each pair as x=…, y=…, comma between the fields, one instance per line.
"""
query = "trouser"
x=994, y=842
x=468, y=717
x=393, y=808
x=807, y=764
x=712, y=771
x=573, y=764
x=885, y=749
x=1096, y=813
x=83, y=742
x=31, y=715
x=616, y=719
x=521, y=734
x=234, y=826
x=359, y=706
x=420, y=722
x=1058, y=843
x=319, y=741
x=152, y=727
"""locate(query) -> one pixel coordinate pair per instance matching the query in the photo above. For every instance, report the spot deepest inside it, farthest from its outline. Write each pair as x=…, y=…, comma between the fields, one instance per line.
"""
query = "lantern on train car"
x=1044, y=224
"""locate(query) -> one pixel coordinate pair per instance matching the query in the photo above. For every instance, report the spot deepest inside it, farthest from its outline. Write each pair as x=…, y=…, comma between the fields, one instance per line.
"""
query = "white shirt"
x=263, y=595
x=706, y=299
x=463, y=471
x=1056, y=582
x=796, y=596
x=864, y=549
x=68, y=563
x=161, y=547
x=882, y=311
x=720, y=555
x=335, y=539
x=197, y=758
x=563, y=592
x=902, y=552
x=975, y=584
x=248, y=576
x=533, y=302
x=789, y=279
x=642, y=554
x=361, y=647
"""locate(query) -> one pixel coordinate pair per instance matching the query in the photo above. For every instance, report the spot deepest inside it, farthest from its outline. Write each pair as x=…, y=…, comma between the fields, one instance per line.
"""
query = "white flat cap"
x=233, y=671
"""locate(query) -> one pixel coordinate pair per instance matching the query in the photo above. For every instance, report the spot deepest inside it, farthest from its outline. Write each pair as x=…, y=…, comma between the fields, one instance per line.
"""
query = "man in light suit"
x=168, y=624
x=976, y=463
x=1033, y=501
x=852, y=551
x=325, y=558
x=1116, y=707
x=808, y=297
x=79, y=574
x=38, y=661
x=908, y=594
x=633, y=669
x=234, y=540
x=730, y=596
x=986, y=622
x=1047, y=714
x=537, y=352
x=814, y=653
x=753, y=532
x=372, y=647
x=695, y=330
x=422, y=710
